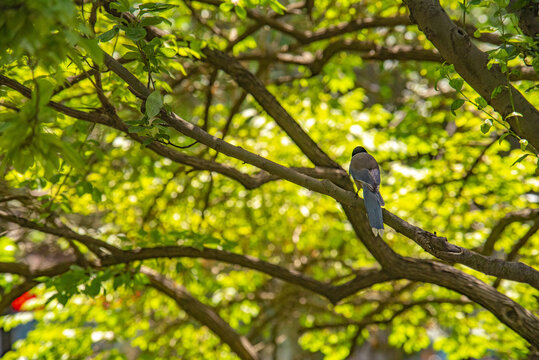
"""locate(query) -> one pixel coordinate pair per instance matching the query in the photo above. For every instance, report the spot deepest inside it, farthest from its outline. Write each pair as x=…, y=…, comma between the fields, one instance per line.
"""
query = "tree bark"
x=455, y=46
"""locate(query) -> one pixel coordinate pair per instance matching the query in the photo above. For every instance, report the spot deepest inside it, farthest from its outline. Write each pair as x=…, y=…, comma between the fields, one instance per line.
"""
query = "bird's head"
x=358, y=149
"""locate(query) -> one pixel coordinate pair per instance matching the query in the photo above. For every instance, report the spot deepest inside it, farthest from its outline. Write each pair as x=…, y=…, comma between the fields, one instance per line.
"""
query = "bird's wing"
x=364, y=176
x=375, y=173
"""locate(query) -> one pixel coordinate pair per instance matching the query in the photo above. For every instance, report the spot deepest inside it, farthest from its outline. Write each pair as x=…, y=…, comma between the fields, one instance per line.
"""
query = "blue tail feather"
x=374, y=211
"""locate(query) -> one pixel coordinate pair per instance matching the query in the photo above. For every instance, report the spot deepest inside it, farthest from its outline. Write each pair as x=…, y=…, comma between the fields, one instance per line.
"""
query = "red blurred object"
x=19, y=302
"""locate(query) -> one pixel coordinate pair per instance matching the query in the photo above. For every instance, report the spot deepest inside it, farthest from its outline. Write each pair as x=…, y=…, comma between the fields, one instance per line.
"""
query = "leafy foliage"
x=449, y=164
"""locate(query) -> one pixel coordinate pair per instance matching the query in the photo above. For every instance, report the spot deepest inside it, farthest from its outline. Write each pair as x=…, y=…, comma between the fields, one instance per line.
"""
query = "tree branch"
x=442, y=249
x=505, y=309
x=455, y=46
x=395, y=267
x=256, y=88
x=509, y=218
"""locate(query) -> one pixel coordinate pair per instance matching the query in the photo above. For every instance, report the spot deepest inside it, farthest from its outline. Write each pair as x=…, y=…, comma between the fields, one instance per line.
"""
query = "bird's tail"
x=374, y=211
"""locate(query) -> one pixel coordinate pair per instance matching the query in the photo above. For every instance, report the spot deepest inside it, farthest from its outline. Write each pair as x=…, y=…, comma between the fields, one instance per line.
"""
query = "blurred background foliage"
x=442, y=170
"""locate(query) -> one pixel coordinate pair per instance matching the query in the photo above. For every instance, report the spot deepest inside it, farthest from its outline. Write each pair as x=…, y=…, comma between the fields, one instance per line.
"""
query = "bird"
x=366, y=174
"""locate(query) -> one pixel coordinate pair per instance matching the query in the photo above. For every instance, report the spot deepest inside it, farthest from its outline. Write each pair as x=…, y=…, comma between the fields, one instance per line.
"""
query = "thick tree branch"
x=455, y=46
x=442, y=249
x=437, y=246
x=505, y=309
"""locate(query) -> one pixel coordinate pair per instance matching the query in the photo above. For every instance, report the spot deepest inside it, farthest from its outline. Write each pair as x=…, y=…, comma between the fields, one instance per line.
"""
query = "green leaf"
x=154, y=103
x=71, y=156
x=168, y=52
x=486, y=125
x=135, y=33
x=45, y=91
x=153, y=20
x=535, y=64
x=226, y=7
x=456, y=83
x=155, y=7
x=94, y=288
x=456, y=104
x=241, y=12
x=497, y=90
x=84, y=187
x=147, y=141
x=109, y=35
x=121, y=5
x=93, y=50
x=130, y=55
x=135, y=129
x=520, y=159
x=277, y=7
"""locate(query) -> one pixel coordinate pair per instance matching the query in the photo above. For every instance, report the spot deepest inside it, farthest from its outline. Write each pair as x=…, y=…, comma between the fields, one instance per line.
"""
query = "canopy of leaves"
x=129, y=230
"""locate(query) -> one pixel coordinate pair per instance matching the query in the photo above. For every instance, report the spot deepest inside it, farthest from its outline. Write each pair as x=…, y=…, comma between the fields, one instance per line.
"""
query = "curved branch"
x=384, y=254
x=338, y=176
x=509, y=218
x=368, y=51
x=437, y=246
x=519, y=245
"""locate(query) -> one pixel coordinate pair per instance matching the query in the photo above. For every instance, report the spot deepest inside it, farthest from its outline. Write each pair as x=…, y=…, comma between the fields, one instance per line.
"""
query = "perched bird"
x=366, y=173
